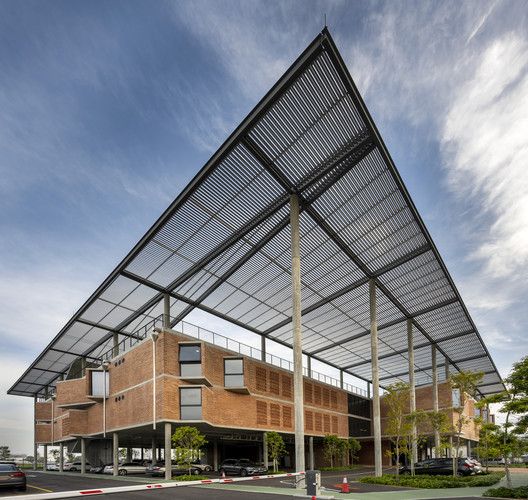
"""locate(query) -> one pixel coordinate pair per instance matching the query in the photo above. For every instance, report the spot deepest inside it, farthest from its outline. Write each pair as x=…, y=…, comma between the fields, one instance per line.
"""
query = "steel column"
x=83, y=456
x=263, y=348
x=297, y=336
x=115, y=344
x=435, y=397
x=376, y=422
x=115, y=453
x=412, y=392
x=166, y=311
x=168, y=451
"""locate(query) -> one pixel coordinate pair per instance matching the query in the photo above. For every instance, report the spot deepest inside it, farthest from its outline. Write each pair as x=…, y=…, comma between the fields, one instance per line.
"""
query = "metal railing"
x=224, y=342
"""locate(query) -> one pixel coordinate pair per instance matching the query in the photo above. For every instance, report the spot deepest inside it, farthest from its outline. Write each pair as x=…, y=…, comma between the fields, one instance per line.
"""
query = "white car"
x=126, y=469
x=74, y=466
x=52, y=466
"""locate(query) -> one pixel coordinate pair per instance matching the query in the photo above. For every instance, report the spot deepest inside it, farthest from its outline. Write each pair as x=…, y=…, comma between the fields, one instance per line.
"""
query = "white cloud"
x=485, y=137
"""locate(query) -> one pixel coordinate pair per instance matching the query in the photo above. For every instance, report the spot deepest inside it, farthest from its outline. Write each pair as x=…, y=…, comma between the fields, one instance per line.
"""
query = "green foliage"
x=189, y=477
x=519, y=492
x=55, y=454
x=276, y=448
x=353, y=448
x=188, y=440
x=339, y=468
x=425, y=481
x=5, y=452
x=332, y=448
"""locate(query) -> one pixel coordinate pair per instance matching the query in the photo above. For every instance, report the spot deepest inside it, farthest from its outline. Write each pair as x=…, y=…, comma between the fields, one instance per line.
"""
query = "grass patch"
x=189, y=477
x=519, y=492
x=425, y=481
x=338, y=469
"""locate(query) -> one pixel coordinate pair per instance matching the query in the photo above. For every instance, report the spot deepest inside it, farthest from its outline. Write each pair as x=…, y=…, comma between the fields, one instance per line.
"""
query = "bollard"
x=313, y=483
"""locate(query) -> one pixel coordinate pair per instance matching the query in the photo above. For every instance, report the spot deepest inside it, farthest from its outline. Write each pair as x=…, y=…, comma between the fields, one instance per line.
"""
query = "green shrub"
x=520, y=492
x=425, y=481
x=189, y=477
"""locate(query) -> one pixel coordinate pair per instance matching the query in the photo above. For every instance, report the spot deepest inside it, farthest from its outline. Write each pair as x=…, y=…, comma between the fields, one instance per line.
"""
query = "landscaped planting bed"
x=519, y=492
x=424, y=481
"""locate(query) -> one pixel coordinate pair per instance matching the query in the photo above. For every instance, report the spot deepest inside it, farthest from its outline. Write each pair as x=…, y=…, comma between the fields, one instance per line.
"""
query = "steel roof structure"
x=223, y=245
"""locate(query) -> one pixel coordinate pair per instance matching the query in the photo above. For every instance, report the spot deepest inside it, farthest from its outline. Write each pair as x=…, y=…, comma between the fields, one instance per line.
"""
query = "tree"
x=5, y=452
x=398, y=424
x=55, y=454
x=332, y=448
x=514, y=404
x=188, y=440
x=438, y=422
x=353, y=448
x=466, y=384
x=276, y=448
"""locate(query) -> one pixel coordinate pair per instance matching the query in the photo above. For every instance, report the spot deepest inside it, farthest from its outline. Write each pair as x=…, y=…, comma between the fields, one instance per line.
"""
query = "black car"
x=241, y=467
x=12, y=477
x=440, y=466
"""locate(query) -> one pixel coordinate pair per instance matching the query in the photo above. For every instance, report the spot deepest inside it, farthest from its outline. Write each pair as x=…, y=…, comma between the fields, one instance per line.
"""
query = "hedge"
x=189, y=477
x=519, y=492
x=425, y=481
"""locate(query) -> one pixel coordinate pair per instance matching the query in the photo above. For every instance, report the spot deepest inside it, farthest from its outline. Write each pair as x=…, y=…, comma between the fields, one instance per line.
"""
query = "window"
x=455, y=398
x=234, y=372
x=98, y=383
x=190, y=403
x=190, y=361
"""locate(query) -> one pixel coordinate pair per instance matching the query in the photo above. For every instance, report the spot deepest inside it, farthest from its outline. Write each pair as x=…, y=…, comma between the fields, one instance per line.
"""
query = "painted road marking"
x=39, y=488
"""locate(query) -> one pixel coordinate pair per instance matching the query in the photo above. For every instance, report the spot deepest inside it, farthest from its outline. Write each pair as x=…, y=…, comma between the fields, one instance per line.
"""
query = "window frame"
x=190, y=405
x=241, y=374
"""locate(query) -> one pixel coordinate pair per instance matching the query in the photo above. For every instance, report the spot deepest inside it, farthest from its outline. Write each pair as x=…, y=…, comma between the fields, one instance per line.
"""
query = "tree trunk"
x=506, y=464
x=397, y=459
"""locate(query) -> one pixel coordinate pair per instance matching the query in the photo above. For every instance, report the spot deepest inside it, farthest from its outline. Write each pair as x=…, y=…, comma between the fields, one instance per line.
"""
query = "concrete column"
x=215, y=454
x=35, y=453
x=368, y=390
x=376, y=422
x=412, y=391
x=168, y=448
x=142, y=454
x=153, y=450
x=265, y=449
x=159, y=453
x=297, y=337
x=166, y=310
x=83, y=456
x=129, y=454
x=311, y=465
x=435, y=397
x=115, y=453
x=115, y=338
x=309, y=366
x=61, y=458
x=45, y=464
x=263, y=348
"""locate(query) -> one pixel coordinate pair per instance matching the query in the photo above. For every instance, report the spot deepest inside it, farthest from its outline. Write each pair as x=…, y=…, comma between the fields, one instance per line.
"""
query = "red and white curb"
x=141, y=487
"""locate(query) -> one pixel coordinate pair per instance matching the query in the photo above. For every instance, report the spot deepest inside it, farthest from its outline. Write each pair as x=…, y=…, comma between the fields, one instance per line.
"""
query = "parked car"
x=52, y=466
x=125, y=469
x=203, y=467
x=158, y=469
x=12, y=477
x=97, y=469
x=440, y=466
x=241, y=467
x=74, y=466
x=477, y=466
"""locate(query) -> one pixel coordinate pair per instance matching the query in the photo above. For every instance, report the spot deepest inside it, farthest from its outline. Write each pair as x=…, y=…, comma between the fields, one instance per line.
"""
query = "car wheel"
x=73, y=469
x=122, y=472
x=243, y=472
x=207, y=469
x=195, y=471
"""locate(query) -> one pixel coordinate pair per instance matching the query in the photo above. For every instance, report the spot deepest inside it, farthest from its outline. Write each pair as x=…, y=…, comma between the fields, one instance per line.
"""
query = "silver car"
x=126, y=469
x=12, y=477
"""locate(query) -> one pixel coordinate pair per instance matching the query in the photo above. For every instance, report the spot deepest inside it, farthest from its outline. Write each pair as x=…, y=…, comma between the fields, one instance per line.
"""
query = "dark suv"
x=241, y=467
x=440, y=466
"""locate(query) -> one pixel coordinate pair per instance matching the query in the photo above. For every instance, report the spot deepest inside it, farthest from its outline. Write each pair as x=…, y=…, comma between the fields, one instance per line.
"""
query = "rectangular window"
x=455, y=398
x=190, y=361
x=234, y=372
x=190, y=403
x=99, y=382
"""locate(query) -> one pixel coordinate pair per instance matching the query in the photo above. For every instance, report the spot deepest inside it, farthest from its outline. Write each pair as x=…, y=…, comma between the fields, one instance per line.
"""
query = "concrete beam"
x=376, y=421
x=297, y=337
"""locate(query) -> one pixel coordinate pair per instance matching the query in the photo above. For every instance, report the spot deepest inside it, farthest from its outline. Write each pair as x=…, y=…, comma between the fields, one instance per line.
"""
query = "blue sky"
x=109, y=108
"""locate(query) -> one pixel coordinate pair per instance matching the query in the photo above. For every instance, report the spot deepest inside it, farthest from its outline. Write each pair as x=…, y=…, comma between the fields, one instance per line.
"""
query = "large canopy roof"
x=223, y=245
